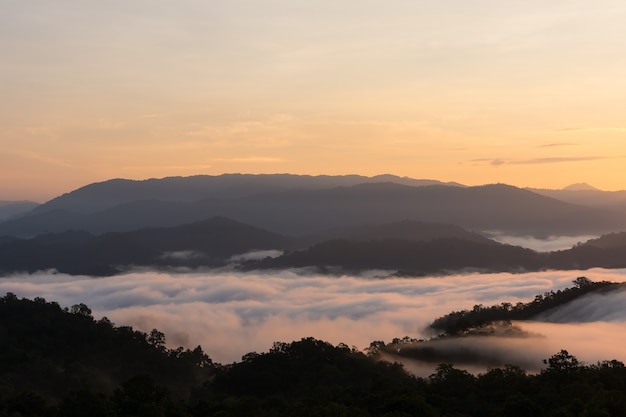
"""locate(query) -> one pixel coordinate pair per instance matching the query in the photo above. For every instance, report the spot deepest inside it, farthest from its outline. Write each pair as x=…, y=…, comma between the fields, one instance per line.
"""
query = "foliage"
x=62, y=362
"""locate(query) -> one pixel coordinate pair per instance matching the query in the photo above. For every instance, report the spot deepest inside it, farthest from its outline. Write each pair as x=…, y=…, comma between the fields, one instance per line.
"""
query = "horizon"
x=50, y=196
x=528, y=94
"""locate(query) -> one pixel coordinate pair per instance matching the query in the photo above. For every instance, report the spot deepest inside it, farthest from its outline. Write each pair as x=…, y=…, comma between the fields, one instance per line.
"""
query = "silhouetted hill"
x=612, y=240
x=607, y=200
x=53, y=221
x=405, y=229
x=303, y=212
x=580, y=186
x=439, y=256
x=490, y=207
x=480, y=316
x=107, y=194
x=10, y=209
x=408, y=247
x=63, y=362
x=412, y=258
x=207, y=243
x=52, y=351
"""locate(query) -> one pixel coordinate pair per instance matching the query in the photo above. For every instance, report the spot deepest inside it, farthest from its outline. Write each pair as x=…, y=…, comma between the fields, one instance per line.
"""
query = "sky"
x=231, y=314
x=528, y=93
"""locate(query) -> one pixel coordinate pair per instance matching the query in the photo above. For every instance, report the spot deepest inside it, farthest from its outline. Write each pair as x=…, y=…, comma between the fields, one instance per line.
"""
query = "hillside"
x=103, y=195
x=404, y=248
x=11, y=209
x=207, y=243
x=64, y=362
x=404, y=230
x=412, y=258
x=301, y=212
x=606, y=200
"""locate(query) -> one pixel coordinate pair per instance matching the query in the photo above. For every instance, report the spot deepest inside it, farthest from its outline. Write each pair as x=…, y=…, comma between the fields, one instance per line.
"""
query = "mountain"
x=444, y=256
x=404, y=229
x=300, y=212
x=612, y=240
x=588, y=196
x=103, y=195
x=411, y=258
x=207, y=243
x=10, y=209
x=410, y=247
x=580, y=186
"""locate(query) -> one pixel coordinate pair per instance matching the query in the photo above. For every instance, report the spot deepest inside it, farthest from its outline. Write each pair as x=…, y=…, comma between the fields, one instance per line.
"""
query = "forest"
x=58, y=361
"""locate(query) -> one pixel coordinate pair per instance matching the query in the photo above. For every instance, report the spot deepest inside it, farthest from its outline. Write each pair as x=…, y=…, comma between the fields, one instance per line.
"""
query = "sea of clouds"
x=231, y=314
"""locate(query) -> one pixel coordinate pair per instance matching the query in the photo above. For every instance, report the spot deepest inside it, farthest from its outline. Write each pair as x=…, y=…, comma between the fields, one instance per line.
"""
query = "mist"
x=232, y=314
x=546, y=244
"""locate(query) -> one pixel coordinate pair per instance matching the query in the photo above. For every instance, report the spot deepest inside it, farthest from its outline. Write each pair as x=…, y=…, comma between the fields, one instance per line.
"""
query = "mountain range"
x=308, y=205
x=403, y=248
x=345, y=223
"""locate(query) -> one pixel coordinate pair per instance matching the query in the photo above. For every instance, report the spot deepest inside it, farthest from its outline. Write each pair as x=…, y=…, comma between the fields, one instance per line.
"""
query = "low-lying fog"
x=545, y=244
x=232, y=314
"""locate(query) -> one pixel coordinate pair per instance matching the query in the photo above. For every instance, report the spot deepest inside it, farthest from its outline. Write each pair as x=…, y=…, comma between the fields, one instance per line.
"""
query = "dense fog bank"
x=233, y=314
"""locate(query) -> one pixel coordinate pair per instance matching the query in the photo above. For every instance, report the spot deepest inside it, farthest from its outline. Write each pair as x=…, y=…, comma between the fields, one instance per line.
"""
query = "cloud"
x=545, y=244
x=38, y=157
x=552, y=160
x=557, y=144
x=256, y=255
x=254, y=159
x=592, y=129
x=538, y=161
x=232, y=314
x=182, y=255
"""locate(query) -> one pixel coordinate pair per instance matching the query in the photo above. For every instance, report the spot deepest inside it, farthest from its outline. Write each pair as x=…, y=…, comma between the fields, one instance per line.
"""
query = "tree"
x=81, y=309
x=582, y=282
x=562, y=362
x=156, y=339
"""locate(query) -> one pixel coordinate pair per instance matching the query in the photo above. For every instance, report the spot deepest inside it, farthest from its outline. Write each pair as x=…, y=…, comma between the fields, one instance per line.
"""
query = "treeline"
x=63, y=362
x=51, y=351
x=459, y=322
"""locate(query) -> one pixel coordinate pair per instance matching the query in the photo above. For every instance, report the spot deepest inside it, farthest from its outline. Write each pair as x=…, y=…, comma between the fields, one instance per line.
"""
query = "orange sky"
x=528, y=93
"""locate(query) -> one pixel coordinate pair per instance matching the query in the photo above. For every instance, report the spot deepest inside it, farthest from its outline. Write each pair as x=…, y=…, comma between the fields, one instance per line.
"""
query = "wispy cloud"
x=167, y=168
x=251, y=159
x=558, y=144
x=592, y=129
x=537, y=161
x=553, y=160
x=38, y=157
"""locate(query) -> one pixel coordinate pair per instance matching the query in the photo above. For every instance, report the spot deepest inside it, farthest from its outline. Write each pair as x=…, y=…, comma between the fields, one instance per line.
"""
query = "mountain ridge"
x=299, y=212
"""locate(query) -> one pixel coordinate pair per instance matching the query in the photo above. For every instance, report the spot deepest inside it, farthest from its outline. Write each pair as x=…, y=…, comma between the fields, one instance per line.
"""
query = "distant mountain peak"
x=580, y=186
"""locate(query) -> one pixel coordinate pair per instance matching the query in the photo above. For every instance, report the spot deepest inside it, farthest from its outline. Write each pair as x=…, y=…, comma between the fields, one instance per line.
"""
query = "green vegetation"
x=63, y=362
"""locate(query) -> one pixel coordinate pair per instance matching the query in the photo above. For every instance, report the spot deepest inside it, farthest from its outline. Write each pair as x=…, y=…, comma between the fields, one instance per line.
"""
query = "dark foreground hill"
x=56, y=362
x=312, y=208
